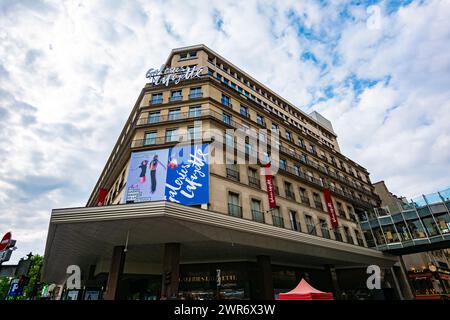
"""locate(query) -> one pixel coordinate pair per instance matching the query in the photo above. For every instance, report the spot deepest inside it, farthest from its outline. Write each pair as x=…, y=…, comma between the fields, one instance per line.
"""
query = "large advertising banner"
x=330, y=207
x=179, y=174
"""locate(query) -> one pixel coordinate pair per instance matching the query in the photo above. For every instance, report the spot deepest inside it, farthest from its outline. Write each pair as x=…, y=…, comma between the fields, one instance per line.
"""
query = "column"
x=171, y=270
x=115, y=273
x=334, y=281
x=265, y=280
x=408, y=292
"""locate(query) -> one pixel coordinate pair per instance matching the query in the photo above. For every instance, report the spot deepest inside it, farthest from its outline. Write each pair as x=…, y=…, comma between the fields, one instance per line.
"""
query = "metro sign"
x=6, y=240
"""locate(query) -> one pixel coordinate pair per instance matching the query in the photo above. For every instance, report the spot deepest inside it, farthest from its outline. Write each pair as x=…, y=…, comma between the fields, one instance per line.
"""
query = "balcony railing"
x=254, y=182
x=234, y=210
x=175, y=98
x=233, y=174
x=153, y=141
x=196, y=95
x=278, y=221
x=311, y=163
x=258, y=216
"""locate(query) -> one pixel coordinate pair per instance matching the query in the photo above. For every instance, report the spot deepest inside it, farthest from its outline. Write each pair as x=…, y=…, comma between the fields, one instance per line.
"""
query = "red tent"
x=305, y=292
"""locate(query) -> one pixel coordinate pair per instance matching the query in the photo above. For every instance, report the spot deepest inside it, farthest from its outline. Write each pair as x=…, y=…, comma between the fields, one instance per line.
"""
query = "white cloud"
x=70, y=73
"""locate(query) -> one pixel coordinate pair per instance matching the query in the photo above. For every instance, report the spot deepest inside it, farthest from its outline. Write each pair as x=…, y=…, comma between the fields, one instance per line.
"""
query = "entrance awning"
x=84, y=236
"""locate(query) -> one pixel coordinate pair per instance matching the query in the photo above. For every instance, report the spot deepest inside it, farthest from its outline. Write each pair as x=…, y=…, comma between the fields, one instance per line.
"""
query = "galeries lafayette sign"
x=166, y=75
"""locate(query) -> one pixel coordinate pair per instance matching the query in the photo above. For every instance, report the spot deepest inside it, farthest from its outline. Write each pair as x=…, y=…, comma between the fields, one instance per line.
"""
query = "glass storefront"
x=199, y=281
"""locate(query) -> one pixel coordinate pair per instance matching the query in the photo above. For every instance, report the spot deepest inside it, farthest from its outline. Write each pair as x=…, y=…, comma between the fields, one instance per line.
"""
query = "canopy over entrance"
x=304, y=291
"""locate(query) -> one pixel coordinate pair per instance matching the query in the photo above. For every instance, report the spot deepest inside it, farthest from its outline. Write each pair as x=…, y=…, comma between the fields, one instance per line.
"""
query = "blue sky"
x=71, y=71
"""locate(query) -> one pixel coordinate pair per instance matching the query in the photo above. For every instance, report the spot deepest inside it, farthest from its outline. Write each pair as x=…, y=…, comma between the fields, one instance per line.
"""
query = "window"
x=293, y=217
x=174, y=114
x=324, y=229
x=194, y=133
x=253, y=178
x=192, y=54
x=288, y=135
x=150, y=138
x=153, y=117
x=229, y=139
x=317, y=201
x=277, y=219
x=337, y=235
x=171, y=135
x=341, y=211
x=296, y=170
x=257, y=214
x=244, y=111
x=275, y=127
x=310, y=225
x=233, y=205
x=227, y=118
x=248, y=148
x=156, y=98
x=288, y=190
x=304, y=158
x=195, y=93
x=359, y=238
x=233, y=171
x=304, y=198
x=313, y=149
x=282, y=164
x=260, y=120
x=210, y=72
x=195, y=111
x=176, y=96
x=183, y=56
x=348, y=235
x=226, y=100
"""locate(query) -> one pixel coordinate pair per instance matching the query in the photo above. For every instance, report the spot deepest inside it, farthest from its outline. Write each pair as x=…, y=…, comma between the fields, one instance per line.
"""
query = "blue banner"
x=188, y=175
x=179, y=174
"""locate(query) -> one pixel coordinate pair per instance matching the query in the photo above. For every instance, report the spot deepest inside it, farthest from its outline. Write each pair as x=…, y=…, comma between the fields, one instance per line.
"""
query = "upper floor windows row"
x=176, y=95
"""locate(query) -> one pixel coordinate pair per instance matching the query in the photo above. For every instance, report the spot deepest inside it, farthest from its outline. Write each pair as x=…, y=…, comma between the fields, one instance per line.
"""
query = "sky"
x=71, y=71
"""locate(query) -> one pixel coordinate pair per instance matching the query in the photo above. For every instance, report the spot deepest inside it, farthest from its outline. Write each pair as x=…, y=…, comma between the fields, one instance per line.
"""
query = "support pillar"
x=334, y=281
x=408, y=291
x=265, y=279
x=115, y=273
x=171, y=270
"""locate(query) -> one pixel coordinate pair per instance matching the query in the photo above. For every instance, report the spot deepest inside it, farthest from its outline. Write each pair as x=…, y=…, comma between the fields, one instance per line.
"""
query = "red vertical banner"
x=270, y=187
x=330, y=208
x=101, y=196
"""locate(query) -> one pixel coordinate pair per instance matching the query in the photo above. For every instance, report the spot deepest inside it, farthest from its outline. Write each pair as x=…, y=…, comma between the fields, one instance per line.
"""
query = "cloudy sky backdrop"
x=71, y=71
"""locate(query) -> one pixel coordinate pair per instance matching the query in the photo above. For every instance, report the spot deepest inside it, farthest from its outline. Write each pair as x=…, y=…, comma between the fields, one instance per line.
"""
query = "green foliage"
x=35, y=276
x=4, y=287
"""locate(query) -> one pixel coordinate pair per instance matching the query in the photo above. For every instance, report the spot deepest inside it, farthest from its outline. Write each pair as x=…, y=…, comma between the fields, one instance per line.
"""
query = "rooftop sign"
x=165, y=75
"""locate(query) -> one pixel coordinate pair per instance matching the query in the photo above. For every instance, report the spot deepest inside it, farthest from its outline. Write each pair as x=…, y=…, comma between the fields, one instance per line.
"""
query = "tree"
x=34, y=275
x=4, y=287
